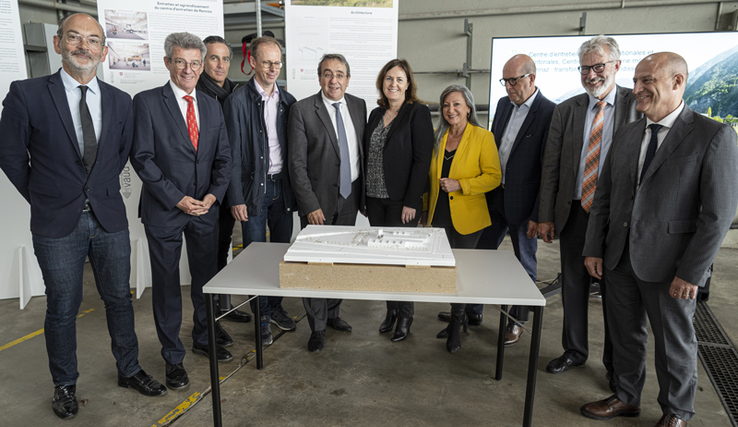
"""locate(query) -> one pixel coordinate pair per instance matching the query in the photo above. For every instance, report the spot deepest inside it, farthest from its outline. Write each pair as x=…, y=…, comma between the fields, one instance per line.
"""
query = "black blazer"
x=407, y=152
x=168, y=164
x=37, y=125
x=523, y=169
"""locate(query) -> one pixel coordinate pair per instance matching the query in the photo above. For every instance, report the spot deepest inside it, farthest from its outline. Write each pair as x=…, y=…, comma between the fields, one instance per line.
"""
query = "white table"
x=483, y=277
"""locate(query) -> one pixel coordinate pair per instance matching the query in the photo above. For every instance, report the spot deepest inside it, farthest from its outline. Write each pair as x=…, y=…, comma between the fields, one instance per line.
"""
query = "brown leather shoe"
x=671, y=420
x=609, y=408
x=512, y=334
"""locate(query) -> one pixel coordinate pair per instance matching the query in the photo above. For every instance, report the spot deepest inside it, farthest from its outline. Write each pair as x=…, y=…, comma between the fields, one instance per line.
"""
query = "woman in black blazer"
x=398, y=145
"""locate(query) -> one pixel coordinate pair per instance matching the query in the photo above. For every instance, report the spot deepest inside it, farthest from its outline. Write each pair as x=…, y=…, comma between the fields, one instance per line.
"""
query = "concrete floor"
x=360, y=379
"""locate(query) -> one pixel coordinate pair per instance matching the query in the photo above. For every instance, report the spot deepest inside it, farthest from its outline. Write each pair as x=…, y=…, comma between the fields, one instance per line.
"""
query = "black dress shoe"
x=474, y=319
x=221, y=354
x=403, y=329
x=389, y=321
x=237, y=316
x=65, y=404
x=339, y=324
x=177, y=377
x=562, y=364
x=221, y=336
x=317, y=341
x=145, y=384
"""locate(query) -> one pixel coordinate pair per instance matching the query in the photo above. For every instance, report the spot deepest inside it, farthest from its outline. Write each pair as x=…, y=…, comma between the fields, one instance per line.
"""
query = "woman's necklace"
x=451, y=156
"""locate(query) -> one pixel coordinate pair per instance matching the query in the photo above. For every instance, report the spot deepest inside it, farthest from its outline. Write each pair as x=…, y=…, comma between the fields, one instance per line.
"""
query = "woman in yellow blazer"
x=465, y=165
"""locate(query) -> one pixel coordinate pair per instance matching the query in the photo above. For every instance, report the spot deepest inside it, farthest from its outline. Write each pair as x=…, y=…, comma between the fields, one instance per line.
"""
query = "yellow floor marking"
x=179, y=409
x=33, y=334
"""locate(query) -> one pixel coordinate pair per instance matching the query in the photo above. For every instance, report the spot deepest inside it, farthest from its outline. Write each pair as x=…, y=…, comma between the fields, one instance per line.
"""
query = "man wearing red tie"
x=181, y=153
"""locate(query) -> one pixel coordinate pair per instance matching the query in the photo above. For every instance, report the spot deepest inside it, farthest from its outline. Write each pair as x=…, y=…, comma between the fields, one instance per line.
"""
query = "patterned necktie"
x=88, y=132
x=345, y=189
x=192, y=121
x=651, y=151
x=592, y=165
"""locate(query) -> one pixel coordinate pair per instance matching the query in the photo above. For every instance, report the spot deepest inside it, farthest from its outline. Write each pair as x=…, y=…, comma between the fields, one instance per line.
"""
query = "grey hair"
x=468, y=98
x=337, y=56
x=184, y=41
x=60, y=29
x=597, y=44
x=218, y=39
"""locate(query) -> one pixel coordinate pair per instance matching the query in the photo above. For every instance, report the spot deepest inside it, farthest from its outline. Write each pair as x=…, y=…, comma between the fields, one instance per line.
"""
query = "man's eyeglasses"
x=512, y=81
x=269, y=64
x=339, y=76
x=597, y=68
x=181, y=64
x=74, y=39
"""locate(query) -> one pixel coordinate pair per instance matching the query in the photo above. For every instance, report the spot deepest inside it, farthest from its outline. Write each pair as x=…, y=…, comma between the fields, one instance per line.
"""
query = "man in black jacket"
x=215, y=83
x=260, y=192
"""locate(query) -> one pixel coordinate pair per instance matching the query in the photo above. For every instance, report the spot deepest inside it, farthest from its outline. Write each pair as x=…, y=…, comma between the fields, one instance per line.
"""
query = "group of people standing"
x=648, y=217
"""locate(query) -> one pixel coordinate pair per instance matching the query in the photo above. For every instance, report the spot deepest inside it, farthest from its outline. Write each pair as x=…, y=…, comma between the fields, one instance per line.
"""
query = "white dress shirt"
x=517, y=118
x=667, y=123
x=348, y=124
x=271, y=104
x=180, y=94
x=94, y=104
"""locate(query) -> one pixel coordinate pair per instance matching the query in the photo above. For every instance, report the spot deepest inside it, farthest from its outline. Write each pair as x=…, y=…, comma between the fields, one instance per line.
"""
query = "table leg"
x=535, y=345
x=214, y=376
x=501, y=343
x=257, y=340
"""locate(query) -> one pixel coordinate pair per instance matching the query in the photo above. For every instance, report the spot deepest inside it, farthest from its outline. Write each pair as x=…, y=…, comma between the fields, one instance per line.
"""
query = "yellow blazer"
x=476, y=165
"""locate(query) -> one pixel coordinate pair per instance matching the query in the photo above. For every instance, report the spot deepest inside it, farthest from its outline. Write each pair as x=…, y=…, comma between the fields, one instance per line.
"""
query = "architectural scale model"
x=372, y=245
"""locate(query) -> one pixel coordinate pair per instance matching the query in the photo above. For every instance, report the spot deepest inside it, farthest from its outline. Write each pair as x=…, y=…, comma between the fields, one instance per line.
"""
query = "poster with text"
x=136, y=30
x=364, y=31
x=712, y=59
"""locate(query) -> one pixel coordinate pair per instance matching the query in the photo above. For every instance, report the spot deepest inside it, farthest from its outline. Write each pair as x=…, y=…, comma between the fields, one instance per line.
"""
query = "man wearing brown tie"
x=579, y=139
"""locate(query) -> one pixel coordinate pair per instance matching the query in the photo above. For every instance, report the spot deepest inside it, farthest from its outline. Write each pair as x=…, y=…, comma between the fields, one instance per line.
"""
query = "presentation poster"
x=19, y=272
x=712, y=58
x=136, y=29
x=363, y=31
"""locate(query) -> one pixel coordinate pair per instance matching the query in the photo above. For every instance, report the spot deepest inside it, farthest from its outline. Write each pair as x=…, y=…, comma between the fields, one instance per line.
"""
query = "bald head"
x=515, y=68
x=659, y=83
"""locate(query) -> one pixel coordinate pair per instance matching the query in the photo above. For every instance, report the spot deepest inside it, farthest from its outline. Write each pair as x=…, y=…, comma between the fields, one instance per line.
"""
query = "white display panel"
x=366, y=36
x=712, y=59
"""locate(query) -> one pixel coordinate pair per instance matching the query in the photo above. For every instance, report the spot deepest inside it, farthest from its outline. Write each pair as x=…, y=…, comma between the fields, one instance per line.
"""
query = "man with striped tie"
x=181, y=153
x=579, y=139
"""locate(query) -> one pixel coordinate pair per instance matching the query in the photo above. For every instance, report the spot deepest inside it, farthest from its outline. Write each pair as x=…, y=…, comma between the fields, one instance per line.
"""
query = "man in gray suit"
x=325, y=162
x=664, y=202
x=579, y=139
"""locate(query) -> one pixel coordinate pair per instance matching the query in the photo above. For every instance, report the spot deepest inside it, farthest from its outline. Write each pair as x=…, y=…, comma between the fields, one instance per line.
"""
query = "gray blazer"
x=313, y=153
x=563, y=151
x=677, y=218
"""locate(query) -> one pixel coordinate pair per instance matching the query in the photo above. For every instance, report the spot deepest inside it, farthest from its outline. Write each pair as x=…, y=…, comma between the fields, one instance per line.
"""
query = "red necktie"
x=592, y=165
x=192, y=121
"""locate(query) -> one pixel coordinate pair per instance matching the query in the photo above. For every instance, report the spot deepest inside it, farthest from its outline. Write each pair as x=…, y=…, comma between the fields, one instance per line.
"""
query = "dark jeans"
x=387, y=212
x=461, y=241
x=165, y=250
x=62, y=262
x=273, y=212
x=524, y=248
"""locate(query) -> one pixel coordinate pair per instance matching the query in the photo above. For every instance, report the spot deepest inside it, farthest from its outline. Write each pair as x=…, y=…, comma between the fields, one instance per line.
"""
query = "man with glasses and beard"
x=579, y=139
x=181, y=153
x=66, y=138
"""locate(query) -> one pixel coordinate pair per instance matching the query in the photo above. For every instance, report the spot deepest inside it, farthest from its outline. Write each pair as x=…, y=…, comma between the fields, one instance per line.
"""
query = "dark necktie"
x=88, y=132
x=345, y=189
x=651, y=151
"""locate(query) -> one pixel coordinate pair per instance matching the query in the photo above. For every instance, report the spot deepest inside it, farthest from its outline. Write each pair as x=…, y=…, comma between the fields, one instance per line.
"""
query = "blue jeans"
x=524, y=248
x=62, y=262
x=280, y=222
